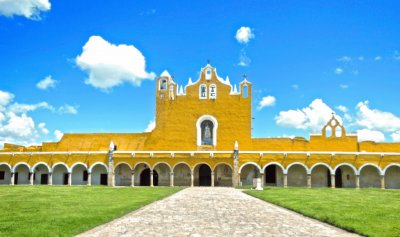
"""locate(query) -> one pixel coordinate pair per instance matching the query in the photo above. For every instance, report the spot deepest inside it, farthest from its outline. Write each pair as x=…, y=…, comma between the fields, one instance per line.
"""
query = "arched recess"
x=392, y=176
x=138, y=169
x=5, y=173
x=223, y=175
x=79, y=174
x=21, y=173
x=123, y=174
x=164, y=173
x=202, y=174
x=297, y=175
x=182, y=174
x=99, y=173
x=248, y=171
x=60, y=173
x=370, y=176
x=321, y=175
x=345, y=175
x=40, y=172
x=273, y=174
x=214, y=129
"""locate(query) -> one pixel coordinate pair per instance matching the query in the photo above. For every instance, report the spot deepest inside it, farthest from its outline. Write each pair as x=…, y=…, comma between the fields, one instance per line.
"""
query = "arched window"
x=207, y=128
x=203, y=92
x=208, y=74
x=163, y=84
x=328, y=131
x=213, y=91
x=245, y=92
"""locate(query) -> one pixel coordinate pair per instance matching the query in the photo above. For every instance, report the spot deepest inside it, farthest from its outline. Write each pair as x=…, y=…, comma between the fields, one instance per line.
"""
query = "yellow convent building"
x=203, y=138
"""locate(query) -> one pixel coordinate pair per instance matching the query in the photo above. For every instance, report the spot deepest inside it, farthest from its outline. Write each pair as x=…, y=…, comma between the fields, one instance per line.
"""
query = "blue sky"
x=305, y=59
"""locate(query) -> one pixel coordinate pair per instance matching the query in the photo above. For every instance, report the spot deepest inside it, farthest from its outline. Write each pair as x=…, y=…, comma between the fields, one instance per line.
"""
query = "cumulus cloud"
x=46, y=83
x=338, y=71
x=374, y=119
x=266, y=101
x=244, y=34
x=342, y=108
x=68, y=109
x=370, y=135
x=58, y=134
x=311, y=118
x=110, y=65
x=30, y=9
x=43, y=129
x=24, y=108
x=150, y=126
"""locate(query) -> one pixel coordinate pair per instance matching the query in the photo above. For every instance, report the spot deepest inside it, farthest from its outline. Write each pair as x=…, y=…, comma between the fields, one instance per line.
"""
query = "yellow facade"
x=201, y=125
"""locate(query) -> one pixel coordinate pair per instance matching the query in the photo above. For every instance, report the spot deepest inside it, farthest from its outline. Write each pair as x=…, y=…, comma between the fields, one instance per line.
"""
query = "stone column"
x=333, y=184
x=308, y=180
x=50, y=181
x=212, y=179
x=171, y=179
x=238, y=177
x=133, y=179
x=357, y=181
x=235, y=171
x=285, y=180
x=262, y=179
x=31, y=175
x=191, y=178
x=89, y=178
x=151, y=179
x=12, y=181
x=382, y=181
x=69, y=178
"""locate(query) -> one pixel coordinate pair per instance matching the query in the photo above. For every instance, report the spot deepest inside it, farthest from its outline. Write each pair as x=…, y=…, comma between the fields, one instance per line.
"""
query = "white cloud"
x=395, y=136
x=150, y=126
x=374, y=119
x=338, y=71
x=378, y=58
x=266, y=101
x=244, y=61
x=244, y=34
x=58, y=134
x=295, y=86
x=46, y=83
x=345, y=59
x=5, y=98
x=110, y=65
x=370, y=135
x=361, y=58
x=43, y=129
x=344, y=86
x=342, y=108
x=68, y=109
x=24, y=108
x=28, y=8
x=312, y=117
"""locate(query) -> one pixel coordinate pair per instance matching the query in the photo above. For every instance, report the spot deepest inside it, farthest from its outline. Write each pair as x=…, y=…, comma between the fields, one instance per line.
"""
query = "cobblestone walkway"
x=214, y=212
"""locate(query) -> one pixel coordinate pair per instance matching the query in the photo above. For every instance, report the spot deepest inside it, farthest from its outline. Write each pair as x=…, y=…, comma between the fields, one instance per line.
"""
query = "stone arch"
x=222, y=163
x=163, y=171
x=40, y=176
x=370, y=176
x=60, y=172
x=345, y=175
x=182, y=174
x=6, y=168
x=297, y=174
x=321, y=175
x=79, y=174
x=273, y=174
x=99, y=173
x=202, y=174
x=123, y=174
x=223, y=173
x=138, y=168
x=248, y=171
x=141, y=163
x=214, y=132
x=96, y=164
x=392, y=176
x=21, y=173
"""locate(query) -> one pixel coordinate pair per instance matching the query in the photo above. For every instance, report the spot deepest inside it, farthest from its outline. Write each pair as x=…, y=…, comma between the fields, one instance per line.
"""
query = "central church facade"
x=203, y=137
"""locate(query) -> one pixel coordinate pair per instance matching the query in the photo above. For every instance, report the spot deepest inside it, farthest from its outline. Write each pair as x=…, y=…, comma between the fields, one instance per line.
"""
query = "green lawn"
x=371, y=212
x=66, y=211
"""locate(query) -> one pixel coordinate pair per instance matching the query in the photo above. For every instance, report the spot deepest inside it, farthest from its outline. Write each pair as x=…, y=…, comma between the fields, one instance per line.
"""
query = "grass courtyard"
x=66, y=211
x=370, y=212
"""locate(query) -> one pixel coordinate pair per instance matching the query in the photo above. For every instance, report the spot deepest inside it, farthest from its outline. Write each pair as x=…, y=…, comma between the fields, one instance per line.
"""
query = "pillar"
x=382, y=181
x=50, y=180
x=111, y=176
x=31, y=175
x=357, y=181
x=133, y=179
x=308, y=180
x=69, y=178
x=89, y=178
x=333, y=184
x=238, y=177
x=191, y=178
x=285, y=180
x=12, y=181
x=151, y=179
x=171, y=179
x=212, y=179
x=262, y=179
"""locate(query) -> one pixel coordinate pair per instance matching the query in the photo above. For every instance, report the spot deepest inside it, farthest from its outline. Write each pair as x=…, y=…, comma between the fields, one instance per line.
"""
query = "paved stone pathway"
x=214, y=212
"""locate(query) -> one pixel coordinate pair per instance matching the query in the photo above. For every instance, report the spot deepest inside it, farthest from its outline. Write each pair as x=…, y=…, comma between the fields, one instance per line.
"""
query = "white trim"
x=323, y=164
x=182, y=162
x=198, y=126
x=77, y=163
x=97, y=163
x=21, y=163
x=60, y=163
x=40, y=163
x=346, y=164
x=297, y=163
x=274, y=163
x=390, y=165
x=162, y=162
x=122, y=163
x=373, y=165
x=222, y=163
x=6, y=164
x=250, y=163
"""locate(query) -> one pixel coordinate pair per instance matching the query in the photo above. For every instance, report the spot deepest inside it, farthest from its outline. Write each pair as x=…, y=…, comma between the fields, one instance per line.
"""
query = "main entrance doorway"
x=204, y=175
x=145, y=178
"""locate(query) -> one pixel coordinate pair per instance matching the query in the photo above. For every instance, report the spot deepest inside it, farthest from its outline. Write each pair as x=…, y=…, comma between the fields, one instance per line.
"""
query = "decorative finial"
x=244, y=76
x=236, y=145
x=333, y=114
